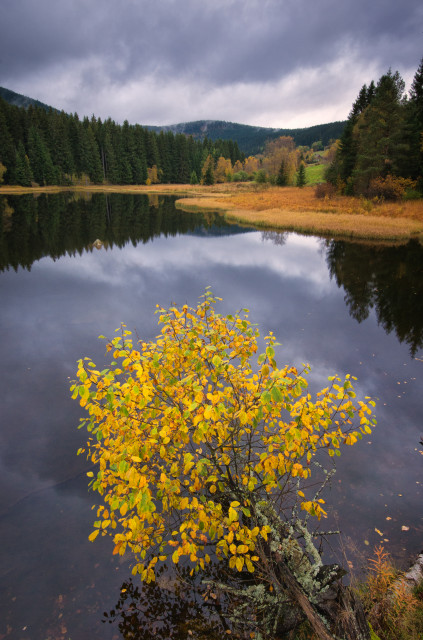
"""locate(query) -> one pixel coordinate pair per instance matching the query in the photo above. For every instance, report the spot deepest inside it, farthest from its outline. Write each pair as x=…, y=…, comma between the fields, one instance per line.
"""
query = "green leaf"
x=276, y=394
x=270, y=352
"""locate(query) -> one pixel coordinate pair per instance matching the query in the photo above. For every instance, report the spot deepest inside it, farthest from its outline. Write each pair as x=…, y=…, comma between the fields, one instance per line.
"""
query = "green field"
x=314, y=173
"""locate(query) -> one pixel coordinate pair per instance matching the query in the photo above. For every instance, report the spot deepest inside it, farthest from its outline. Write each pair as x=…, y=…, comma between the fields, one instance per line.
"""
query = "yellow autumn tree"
x=277, y=151
x=152, y=175
x=251, y=164
x=223, y=169
x=202, y=452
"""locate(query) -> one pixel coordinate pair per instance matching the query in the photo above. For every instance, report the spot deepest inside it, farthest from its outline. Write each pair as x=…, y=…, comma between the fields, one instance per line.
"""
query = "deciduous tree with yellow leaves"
x=202, y=454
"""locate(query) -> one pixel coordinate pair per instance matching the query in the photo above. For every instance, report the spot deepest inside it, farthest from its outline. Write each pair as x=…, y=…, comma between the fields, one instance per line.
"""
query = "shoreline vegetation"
x=280, y=209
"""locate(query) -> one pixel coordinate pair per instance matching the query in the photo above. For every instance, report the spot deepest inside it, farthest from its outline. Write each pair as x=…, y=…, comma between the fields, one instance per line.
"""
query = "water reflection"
x=69, y=223
x=174, y=607
x=59, y=291
x=388, y=279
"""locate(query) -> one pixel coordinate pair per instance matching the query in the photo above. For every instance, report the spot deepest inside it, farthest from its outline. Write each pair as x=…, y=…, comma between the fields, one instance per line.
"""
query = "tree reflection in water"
x=388, y=279
x=175, y=607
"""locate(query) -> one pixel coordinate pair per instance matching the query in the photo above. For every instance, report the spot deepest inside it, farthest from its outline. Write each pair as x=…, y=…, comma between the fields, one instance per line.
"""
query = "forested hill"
x=18, y=100
x=52, y=147
x=250, y=139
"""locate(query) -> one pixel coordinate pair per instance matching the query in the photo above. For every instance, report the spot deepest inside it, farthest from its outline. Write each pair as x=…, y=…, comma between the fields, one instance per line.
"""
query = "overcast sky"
x=276, y=63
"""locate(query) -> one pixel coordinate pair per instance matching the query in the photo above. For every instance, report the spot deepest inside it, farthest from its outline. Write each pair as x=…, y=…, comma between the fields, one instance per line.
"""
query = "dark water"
x=343, y=307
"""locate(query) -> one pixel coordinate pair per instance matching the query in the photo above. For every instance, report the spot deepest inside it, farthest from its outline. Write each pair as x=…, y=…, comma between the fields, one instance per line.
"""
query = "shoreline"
x=278, y=209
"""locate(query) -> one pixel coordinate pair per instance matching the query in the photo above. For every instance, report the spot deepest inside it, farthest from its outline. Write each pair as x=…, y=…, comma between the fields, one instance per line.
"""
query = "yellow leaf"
x=233, y=515
x=175, y=556
x=93, y=535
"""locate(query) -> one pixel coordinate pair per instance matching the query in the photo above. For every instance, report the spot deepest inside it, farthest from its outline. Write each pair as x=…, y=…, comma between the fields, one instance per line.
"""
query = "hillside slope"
x=250, y=139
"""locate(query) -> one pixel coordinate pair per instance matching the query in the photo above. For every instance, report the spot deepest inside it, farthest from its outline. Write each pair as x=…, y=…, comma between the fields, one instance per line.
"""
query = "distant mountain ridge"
x=20, y=100
x=250, y=139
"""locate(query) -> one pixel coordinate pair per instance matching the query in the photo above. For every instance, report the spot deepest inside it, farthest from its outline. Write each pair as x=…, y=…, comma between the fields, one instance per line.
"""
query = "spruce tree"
x=39, y=157
x=23, y=173
x=282, y=177
x=301, y=176
x=415, y=126
x=208, y=171
x=7, y=149
x=381, y=142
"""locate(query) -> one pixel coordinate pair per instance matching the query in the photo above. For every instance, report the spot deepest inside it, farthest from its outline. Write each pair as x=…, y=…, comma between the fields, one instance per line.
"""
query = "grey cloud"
x=207, y=44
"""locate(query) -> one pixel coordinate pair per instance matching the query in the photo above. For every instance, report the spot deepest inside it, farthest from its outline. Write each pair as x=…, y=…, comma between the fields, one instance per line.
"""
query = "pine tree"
x=181, y=159
x=111, y=170
x=7, y=149
x=208, y=171
x=342, y=167
x=90, y=154
x=282, y=177
x=61, y=152
x=301, y=176
x=140, y=168
x=416, y=94
x=39, y=157
x=23, y=171
x=415, y=126
x=381, y=146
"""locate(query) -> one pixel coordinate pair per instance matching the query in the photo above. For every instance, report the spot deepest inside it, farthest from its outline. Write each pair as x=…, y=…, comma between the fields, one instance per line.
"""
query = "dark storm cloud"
x=202, y=46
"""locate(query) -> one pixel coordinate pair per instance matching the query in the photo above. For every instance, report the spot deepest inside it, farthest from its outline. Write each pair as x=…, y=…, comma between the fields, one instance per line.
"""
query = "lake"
x=74, y=267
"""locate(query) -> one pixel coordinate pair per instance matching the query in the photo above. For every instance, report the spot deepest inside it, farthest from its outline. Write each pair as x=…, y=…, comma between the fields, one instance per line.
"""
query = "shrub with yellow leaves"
x=200, y=453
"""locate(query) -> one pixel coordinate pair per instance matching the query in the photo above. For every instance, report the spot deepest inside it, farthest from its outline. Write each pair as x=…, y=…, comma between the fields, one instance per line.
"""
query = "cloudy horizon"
x=271, y=63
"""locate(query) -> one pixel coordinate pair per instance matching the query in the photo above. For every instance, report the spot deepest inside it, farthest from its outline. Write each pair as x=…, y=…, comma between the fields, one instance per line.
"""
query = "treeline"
x=380, y=152
x=252, y=140
x=67, y=223
x=54, y=148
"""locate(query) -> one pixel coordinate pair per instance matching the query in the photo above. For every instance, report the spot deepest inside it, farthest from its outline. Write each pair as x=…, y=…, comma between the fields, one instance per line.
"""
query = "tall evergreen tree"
x=208, y=171
x=342, y=167
x=140, y=167
x=381, y=146
x=7, y=148
x=301, y=176
x=40, y=159
x=181, y=159
x=23, y=171
x=90, y=154
x=415, y=126
x=282, y=177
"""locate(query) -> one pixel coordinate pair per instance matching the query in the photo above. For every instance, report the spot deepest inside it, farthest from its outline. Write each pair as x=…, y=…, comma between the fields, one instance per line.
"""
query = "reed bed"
x=294, y=209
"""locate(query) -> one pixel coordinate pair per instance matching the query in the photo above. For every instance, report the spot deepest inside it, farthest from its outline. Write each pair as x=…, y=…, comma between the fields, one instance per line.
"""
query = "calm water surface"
x=343, y=307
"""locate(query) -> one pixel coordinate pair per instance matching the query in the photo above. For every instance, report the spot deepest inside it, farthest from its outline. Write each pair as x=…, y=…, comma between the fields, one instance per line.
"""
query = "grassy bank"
x=284, y=209
x=293, y=209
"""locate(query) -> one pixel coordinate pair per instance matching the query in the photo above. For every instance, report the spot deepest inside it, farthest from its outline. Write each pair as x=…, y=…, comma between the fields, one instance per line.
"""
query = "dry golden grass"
x=296, y=209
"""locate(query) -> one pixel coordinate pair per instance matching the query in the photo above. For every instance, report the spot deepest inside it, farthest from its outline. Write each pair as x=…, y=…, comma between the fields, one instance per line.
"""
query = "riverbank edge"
x=340, y=225
x=347, y=226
